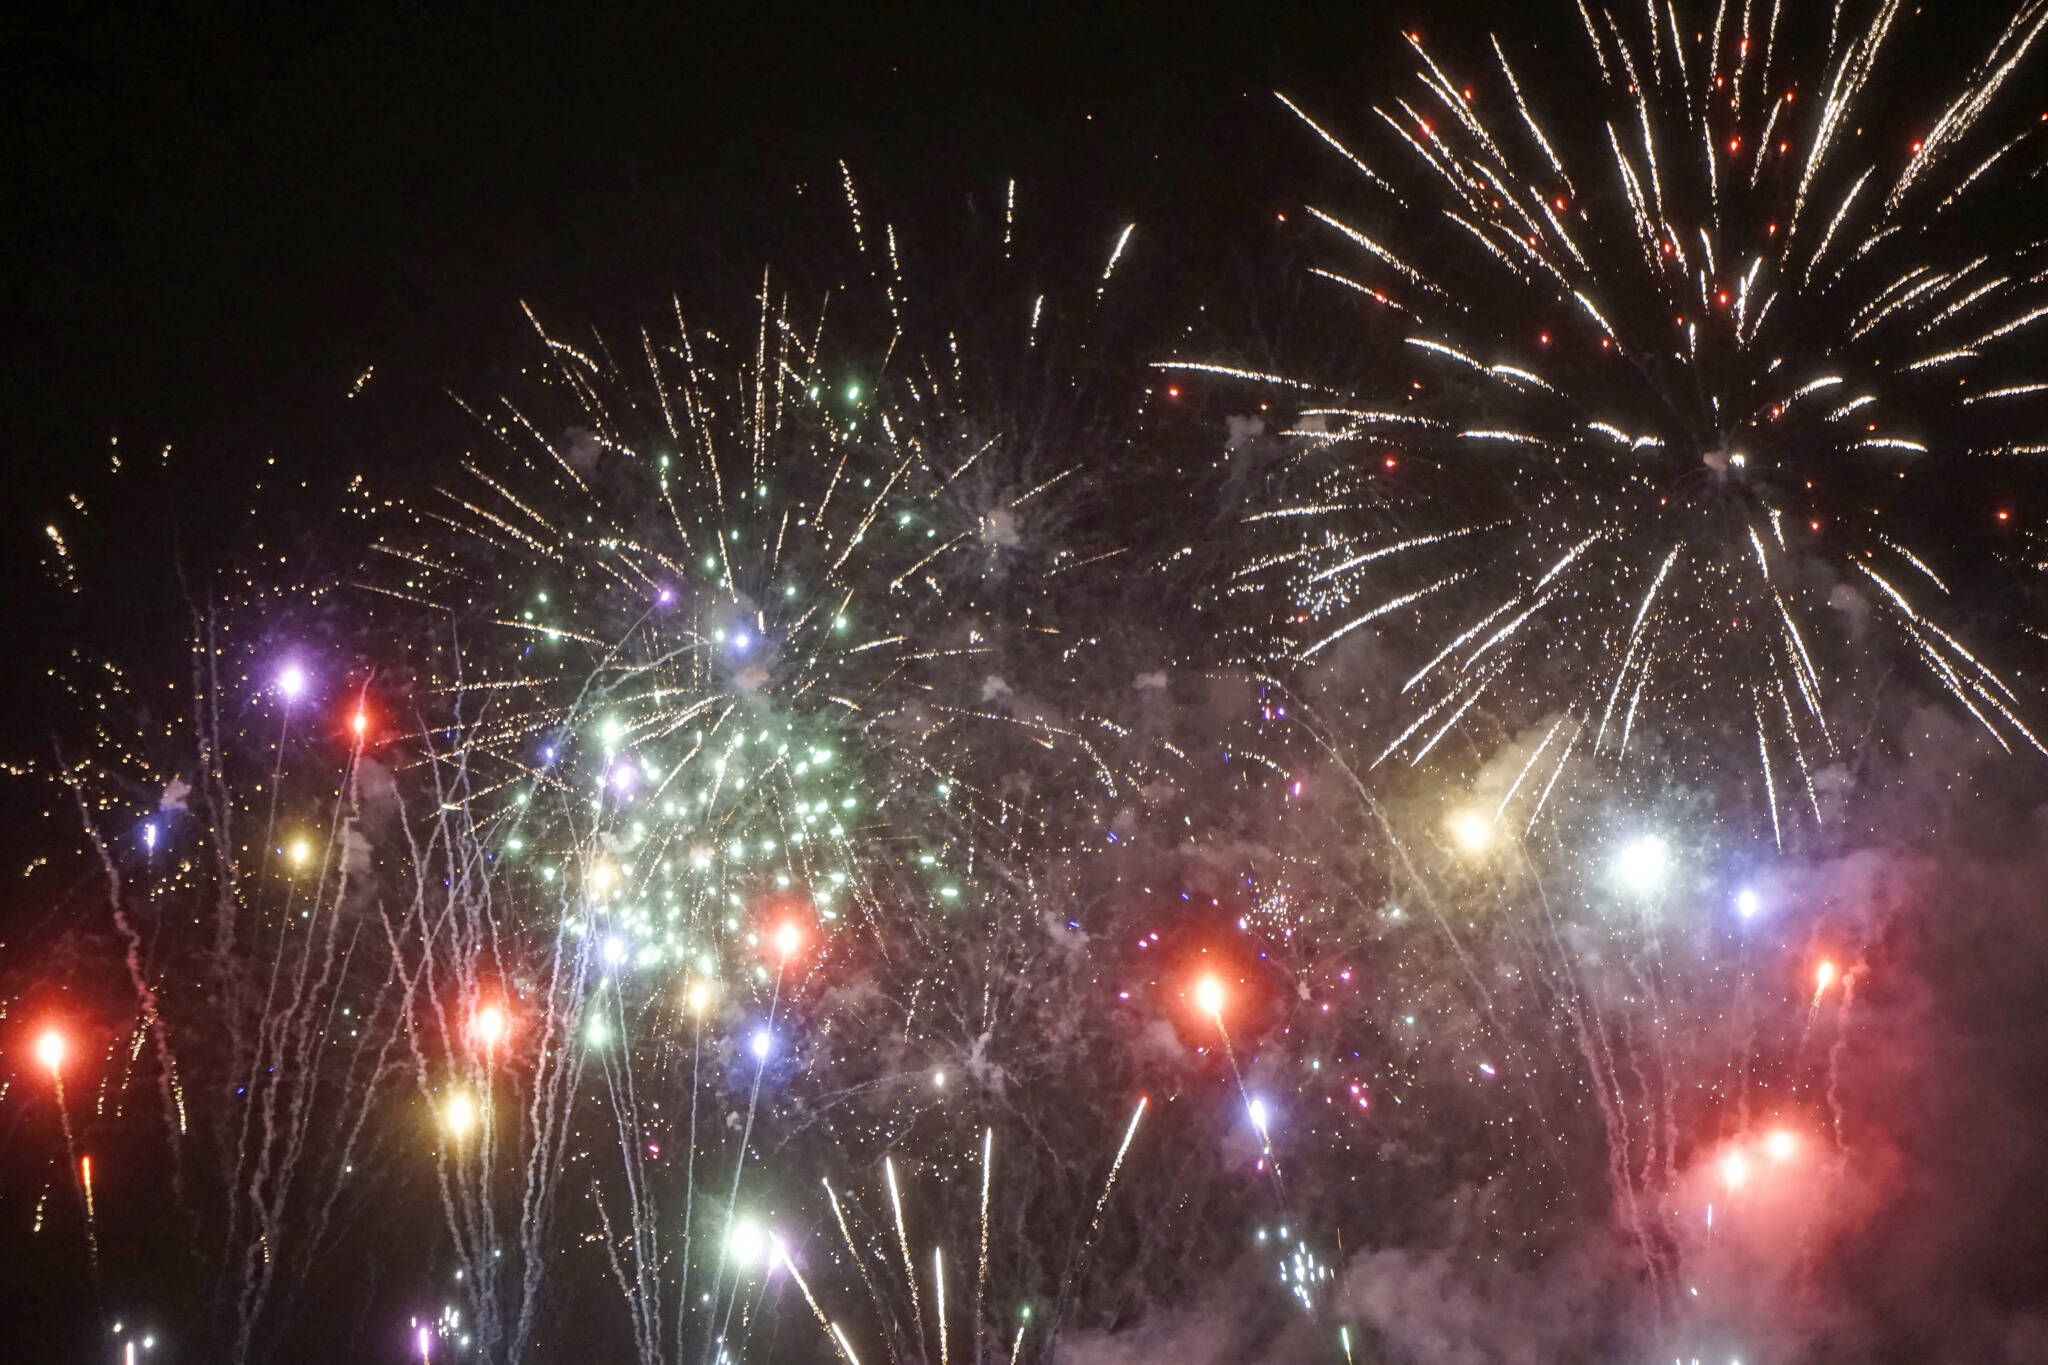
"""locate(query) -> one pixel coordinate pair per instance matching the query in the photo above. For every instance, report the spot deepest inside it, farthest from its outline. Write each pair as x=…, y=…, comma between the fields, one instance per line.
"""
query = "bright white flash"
x=1472, y=830
x=746, y=1243
x=1641, y=864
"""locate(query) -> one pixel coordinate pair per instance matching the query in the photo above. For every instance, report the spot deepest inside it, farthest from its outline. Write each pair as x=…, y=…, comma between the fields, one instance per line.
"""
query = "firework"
x=1687, y=361
x=755, y=797
x=726, y=664
x=762, y=679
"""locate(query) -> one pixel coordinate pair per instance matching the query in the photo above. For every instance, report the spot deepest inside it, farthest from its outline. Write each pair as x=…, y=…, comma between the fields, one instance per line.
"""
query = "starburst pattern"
x=1684, y=362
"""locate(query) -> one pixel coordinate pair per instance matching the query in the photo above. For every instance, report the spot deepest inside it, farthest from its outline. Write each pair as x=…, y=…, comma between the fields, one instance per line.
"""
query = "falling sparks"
x=1635, y=591
x=784, y=789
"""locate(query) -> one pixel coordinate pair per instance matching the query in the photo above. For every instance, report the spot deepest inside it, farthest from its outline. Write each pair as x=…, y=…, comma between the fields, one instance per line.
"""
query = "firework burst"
x=718, y=671
x=764, y=713
x=1684, y=366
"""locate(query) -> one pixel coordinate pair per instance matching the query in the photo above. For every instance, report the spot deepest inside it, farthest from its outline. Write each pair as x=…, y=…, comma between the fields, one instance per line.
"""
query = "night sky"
x=222, y=215
x=219, y=217
x=218, y=220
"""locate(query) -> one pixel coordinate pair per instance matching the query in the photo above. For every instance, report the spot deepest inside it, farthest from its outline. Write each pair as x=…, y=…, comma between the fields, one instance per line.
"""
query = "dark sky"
x=213, y=219
x=218, y=217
